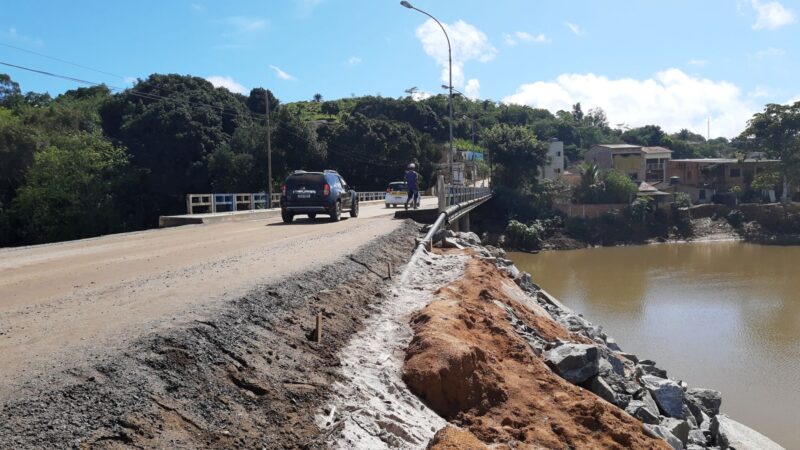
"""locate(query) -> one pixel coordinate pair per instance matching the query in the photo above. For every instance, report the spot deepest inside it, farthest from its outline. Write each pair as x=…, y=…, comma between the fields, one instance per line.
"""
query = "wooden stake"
x=318, y=332
x=389, y=266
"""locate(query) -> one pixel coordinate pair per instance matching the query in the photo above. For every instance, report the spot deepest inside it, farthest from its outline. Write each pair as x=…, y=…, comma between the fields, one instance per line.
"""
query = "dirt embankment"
x=470, y=362
x=248, y=377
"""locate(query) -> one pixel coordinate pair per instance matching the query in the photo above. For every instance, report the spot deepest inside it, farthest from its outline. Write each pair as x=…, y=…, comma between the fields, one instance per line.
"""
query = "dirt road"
x=62, y=305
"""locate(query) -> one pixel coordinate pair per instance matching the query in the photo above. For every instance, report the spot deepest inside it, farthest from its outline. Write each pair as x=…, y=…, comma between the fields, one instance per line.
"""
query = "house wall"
x=630, y=164
x=554, y=167
x=600, y=156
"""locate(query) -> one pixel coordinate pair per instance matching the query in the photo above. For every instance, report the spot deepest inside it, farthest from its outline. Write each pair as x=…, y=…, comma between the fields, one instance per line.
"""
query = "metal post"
x=269, y=155
x=440, y=192
x=189, y=209
x=450, y=86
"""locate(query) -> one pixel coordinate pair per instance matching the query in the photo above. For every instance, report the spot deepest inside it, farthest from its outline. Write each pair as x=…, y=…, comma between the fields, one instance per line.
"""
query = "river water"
x=721, y=315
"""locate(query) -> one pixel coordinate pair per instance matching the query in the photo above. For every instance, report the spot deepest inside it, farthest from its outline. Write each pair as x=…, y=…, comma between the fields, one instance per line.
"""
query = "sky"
x=675, y=63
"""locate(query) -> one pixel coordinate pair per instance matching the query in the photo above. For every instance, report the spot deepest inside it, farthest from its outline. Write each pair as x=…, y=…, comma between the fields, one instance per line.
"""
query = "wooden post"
x=318, y=331
x=389, y=269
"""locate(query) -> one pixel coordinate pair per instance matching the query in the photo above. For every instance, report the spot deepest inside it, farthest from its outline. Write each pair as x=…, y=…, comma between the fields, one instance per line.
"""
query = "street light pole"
x=450, y=86
x=269, y=155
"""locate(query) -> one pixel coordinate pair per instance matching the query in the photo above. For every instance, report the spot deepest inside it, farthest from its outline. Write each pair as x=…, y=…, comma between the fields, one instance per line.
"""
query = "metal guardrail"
x=224, y=202
x=454, y=201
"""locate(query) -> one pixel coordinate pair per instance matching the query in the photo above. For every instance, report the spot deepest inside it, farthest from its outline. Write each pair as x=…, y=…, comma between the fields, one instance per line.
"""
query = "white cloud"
x=281, y=74
x=133, y=80
x=793, y=101
x=771, y=15
x=698, y=62
x=761, y=92
x=420, y=95
x=472, y=89
x=227, y=83
x=246, y=24
x=671, y=99
x=468, y=43
x=353, y=61
x=13, y=35
x=574, y=28
x=524, y=36
x=769, y=53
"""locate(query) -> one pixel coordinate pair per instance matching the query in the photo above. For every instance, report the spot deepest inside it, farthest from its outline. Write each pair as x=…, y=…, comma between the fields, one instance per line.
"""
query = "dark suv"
x=315, y=193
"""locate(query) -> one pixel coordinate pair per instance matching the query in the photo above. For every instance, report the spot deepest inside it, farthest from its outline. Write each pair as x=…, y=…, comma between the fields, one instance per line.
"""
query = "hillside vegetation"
x=92, y=162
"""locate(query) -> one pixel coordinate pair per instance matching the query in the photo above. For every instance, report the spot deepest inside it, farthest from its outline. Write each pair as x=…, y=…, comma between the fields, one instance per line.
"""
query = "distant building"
x=640, y=163
x=702, y=178
x=554, y=165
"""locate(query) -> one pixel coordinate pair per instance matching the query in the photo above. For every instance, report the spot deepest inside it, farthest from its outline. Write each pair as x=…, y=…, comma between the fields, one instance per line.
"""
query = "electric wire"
x=356, y=156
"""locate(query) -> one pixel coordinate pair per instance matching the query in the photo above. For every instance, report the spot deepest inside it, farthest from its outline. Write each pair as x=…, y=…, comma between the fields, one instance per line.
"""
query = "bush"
x=735, y=218
x=683, y=200
x=619, y=188
x=524, y=237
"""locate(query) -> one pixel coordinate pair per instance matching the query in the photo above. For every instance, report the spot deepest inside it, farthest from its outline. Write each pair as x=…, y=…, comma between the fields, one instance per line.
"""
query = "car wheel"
x=312, y=216
x=354, y=210
x=337, y=212
x=287, y=217
x=388, y=205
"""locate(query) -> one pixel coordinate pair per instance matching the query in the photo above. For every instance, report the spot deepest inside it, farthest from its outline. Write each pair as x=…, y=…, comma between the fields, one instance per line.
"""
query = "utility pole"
x=269, y=154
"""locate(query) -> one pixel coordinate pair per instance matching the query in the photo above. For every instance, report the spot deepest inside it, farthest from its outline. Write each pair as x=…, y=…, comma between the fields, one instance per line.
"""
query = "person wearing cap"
x=413, y=188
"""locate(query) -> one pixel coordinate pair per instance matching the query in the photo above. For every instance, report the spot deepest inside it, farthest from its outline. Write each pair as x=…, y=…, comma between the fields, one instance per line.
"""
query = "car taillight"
x=283, y=189
x=326, y=190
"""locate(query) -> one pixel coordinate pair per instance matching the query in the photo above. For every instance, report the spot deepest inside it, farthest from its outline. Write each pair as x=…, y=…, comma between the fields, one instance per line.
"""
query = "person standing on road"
x=412, y=178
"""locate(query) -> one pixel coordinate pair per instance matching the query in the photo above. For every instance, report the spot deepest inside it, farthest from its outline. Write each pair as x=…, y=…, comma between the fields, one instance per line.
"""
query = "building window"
x=702, y=194
x=634, y=175
x=736, y=173
x=558, y=170
x=558, y=154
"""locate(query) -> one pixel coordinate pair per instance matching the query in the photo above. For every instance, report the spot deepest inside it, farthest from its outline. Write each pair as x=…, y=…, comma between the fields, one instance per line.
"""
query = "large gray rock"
x=575, y=363
x=679, y=428
x=707, y=400
x=698, y=437
x=612, y=344
x=728, y=433
x=642, y=411
x=629, y=356
x=667, y=393
x=470, y=238
x=602, y=389
x=666, y=435
x=649, y=369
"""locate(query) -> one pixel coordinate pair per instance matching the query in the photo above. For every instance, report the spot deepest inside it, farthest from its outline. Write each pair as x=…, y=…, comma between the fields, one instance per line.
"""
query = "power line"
x=356, y=156
x=61, y=60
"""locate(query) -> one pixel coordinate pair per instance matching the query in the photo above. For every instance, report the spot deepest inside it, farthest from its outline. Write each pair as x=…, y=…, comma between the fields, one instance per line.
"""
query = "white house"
x=554, y=165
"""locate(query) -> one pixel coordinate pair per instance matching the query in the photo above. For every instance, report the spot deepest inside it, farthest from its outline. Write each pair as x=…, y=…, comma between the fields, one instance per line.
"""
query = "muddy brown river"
x=722, y=315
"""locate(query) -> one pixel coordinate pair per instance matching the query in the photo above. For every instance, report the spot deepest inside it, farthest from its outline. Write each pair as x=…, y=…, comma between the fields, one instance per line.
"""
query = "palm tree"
x=591, y=183
x=317, y=98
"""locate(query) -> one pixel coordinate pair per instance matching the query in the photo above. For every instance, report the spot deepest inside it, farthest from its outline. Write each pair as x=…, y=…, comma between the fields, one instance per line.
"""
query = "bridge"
x=61, y=303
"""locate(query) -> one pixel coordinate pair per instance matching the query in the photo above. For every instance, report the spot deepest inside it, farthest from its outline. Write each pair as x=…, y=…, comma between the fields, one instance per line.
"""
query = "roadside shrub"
x=640, y=208
x=683, y=200
x=523, y=236
x=735, y=218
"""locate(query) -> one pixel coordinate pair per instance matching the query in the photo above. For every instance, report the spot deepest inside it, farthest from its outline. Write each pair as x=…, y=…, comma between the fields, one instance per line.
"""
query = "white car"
x=396, y=194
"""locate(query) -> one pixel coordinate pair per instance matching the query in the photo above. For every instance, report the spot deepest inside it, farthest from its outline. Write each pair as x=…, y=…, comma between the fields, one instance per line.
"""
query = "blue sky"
x=674, y=63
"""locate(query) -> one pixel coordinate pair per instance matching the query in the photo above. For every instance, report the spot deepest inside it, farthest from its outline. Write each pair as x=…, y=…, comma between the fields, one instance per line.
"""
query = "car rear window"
x=307, y=180
x=397, y=186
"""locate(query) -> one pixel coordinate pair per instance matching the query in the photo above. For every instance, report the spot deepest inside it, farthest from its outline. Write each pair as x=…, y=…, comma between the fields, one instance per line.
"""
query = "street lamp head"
x=406, y=4
x=444, y=86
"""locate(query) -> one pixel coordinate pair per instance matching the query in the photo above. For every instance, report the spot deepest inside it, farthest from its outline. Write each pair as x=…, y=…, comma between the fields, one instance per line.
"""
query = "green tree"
x=516, y=151
x=9, y=91
x=776, y=131
x=71, y=190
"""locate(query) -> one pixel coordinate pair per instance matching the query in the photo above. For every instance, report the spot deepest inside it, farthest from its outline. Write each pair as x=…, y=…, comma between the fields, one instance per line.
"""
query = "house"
x=554, y=164
x=640, y=163
x=702, y=178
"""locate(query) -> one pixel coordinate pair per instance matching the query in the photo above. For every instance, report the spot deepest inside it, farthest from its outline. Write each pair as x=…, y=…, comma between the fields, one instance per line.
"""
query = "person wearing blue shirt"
x=412, y=178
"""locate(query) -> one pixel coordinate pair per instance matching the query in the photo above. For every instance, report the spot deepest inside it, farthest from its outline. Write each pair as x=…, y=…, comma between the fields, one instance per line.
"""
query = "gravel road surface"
x=64, y=305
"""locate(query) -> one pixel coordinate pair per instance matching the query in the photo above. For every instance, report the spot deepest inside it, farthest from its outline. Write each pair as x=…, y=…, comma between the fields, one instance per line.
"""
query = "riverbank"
x=768, y=224
x=506, y=362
